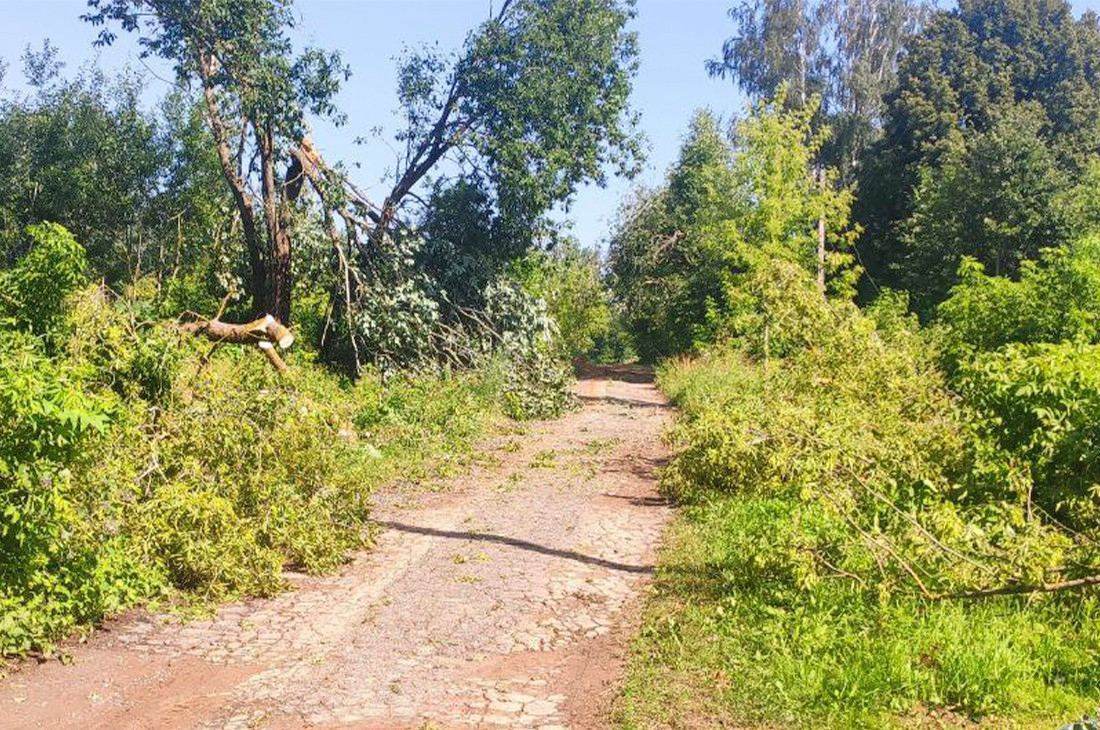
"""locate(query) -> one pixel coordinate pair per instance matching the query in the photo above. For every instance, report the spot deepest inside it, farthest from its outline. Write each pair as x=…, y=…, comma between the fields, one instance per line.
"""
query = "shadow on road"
x=626, y=373
x=641, y=501
x=629, y=402
x=517, y=543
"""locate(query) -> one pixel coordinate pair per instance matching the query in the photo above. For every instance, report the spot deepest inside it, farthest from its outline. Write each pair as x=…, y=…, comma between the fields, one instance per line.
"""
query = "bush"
x=34, y=291
x=1056, y=298
x=1041, y=403
x=136, y=463
x=840, y=496
x=114, y=348
x=203, y=545
x=535, y=377
x=55, y=571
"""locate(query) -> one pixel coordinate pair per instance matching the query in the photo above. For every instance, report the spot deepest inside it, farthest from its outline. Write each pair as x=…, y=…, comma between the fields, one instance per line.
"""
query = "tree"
x=81, y=152
x=843, y=51
x=662, y=272
x=680, y=250
x=962, y=76
x=777, y=42
x=568, y=279
x=995, y=198
x=257, y=92
x=534, y=104
x=787, y=199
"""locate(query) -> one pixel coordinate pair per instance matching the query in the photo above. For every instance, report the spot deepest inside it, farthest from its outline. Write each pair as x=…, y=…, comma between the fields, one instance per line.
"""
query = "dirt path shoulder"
x=503, y=599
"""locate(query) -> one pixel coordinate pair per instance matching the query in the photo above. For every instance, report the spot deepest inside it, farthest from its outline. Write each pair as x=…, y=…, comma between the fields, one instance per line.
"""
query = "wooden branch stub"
x=264, y=329
x=272, y=355
x=266, y=332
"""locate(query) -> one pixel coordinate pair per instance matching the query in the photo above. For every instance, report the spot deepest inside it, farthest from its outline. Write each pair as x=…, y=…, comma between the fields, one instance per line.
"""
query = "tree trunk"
x=821, y=239
x=279, y=198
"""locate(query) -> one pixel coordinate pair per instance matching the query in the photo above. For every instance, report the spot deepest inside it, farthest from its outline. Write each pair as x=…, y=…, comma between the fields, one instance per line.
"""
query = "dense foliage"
x=885, y=522
x=844, y=499
x=996, y=109
x=727, y=203
x=134, y=463
x=140, y=463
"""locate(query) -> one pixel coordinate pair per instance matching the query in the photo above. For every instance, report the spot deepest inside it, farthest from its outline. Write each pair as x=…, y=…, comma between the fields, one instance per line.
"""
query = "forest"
x=873, y=297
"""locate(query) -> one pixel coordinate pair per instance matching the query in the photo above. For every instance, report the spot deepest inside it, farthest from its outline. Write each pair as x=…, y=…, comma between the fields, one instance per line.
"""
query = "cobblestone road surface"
x=504, y=598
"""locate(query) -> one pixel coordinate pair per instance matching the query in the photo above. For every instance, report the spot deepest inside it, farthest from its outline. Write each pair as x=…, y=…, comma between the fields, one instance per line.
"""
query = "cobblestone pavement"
x=502, y=599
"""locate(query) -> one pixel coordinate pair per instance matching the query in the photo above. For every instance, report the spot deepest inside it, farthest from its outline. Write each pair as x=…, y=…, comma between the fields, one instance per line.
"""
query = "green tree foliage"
x=535, y=104
x=783, y=198
x=663, y=274
x=257, y=91
x=467, y=243
x=726, y=204
x=140, y=189
x=845, y=52
x=81, y=153
x=531, y=106
x=1056, y=298
x=996, y=199
x=544, y=67
x=34, y=292
x=568, y=279
x=993, y=93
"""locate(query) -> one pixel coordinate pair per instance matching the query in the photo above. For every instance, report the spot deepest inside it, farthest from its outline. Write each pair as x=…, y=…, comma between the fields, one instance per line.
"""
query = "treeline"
x=148, y=449
x=888, y=453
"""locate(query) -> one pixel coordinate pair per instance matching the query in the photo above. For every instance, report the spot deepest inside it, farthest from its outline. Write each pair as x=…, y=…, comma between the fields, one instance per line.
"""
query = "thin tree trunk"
x=821, y=239
x=242, y=199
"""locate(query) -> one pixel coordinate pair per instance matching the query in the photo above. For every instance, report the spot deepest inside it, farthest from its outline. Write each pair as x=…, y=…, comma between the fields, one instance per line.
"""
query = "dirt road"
x=505, y=598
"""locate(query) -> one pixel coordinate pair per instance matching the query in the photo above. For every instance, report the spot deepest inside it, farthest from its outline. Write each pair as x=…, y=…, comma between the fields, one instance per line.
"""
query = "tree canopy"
x=997, y=85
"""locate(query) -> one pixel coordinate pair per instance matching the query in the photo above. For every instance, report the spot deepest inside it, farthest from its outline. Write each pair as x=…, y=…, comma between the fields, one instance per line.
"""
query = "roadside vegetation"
x=214, y=347
x=889, y=494
x=874, y=297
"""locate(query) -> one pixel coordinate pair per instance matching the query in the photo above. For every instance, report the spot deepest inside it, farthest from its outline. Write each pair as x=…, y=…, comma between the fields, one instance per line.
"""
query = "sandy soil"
x=504, y=598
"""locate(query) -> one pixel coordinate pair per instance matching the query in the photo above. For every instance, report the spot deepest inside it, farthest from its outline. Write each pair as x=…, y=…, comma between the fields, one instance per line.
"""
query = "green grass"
x=723, y=642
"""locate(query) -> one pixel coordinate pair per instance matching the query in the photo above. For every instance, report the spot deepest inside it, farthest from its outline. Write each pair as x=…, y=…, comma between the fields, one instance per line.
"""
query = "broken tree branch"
x=264, y=329
x=267, y=333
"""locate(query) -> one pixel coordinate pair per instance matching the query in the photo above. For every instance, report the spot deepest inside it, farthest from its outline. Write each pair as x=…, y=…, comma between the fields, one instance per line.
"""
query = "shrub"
x=1056, y=298
x=55, y=571
x=115, y=349
x=200, y=542
x=1041, y=403
x=840, y=498
x=134, y=462
x=535, y=379
x=34, y=291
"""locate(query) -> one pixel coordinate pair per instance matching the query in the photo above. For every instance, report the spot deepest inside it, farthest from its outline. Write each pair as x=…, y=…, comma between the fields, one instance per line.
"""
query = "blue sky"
x=676, y=38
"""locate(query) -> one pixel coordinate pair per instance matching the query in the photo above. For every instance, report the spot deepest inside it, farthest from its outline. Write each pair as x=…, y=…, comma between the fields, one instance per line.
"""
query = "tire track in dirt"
x=505, y=598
